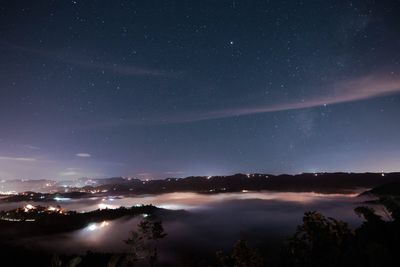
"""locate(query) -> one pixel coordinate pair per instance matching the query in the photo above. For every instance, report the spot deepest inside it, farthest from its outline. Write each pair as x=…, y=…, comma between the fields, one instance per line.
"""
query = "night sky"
x=156, y=89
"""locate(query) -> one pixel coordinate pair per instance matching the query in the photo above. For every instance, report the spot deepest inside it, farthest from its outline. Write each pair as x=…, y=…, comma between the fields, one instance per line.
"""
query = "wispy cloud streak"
x=83, y=155
x=351, y=90
x=342, y=92
x=118, y=68
x=18, y=159
x=31, y=147
x=121, y=69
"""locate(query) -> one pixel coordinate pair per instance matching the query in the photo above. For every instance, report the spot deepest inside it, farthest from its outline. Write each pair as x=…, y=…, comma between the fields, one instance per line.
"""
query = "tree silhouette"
x=319, y=241
x=322, y=241
x=143, y=243
x=242, y=256
x=378, y=238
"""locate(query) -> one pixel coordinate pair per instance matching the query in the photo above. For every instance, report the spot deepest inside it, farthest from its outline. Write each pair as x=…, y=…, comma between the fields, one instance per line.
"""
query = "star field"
x=177, y=88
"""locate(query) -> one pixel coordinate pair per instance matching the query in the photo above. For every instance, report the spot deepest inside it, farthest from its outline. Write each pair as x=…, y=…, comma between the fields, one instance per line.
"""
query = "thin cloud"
x=348, y=91
x=174, y=172
x=69, y=173
x=83, y=155
x=144, y=174
x=358, y=89
x=121, y=69
x=118, y=68
x=31, y=147
x=18, y=159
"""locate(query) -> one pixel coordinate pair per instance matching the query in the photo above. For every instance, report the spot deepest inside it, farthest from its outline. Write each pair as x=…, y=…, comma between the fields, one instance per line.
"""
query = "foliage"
x=143, y=243
x=242, y=256
x=319, y=241
x=378, y=237
x=322, y=241
x=57, y=262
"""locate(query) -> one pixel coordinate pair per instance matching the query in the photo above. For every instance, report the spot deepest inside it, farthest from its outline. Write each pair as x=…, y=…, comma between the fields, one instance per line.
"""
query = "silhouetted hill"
x=391, y=189
x=306, y=182
x=40, y=221
x=328, y=183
